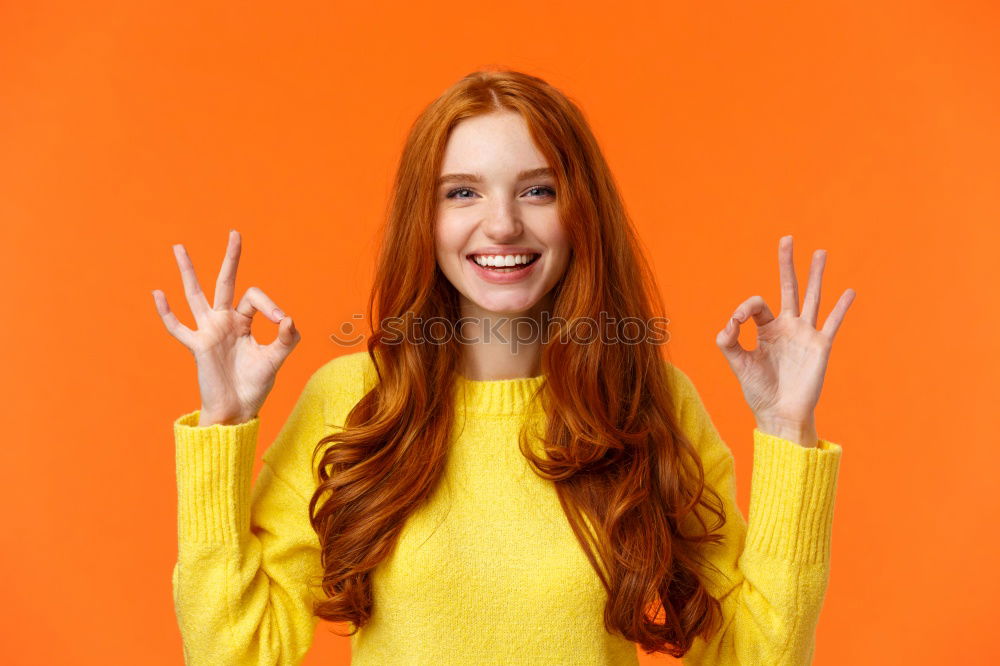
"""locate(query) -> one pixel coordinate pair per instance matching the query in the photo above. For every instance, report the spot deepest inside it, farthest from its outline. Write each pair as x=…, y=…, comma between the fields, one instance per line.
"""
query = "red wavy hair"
x=626, y=476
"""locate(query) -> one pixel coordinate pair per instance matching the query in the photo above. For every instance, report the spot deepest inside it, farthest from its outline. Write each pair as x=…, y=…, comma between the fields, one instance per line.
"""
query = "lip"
x=505, y=278
x=504, y=249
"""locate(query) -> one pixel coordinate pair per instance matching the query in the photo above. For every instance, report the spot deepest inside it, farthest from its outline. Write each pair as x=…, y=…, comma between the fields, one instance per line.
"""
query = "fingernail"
x=278, y=314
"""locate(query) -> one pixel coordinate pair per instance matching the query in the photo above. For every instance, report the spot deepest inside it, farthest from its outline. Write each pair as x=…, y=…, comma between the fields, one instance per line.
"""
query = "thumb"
x=288, y=337
x=728, y=340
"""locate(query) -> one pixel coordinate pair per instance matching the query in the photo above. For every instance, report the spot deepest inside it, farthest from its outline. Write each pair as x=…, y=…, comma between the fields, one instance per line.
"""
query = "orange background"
x=870, y=131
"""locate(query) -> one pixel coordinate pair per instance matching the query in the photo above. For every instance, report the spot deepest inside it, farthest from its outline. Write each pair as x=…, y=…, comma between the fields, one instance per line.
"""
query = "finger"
x=810, y=304
x=728, y=340
x=195, y=297
x=225, y=285
x=835, y=317
x=183, y=334
x=288, y=337
x=255, y=300
x=755, y=307
x=786, y=270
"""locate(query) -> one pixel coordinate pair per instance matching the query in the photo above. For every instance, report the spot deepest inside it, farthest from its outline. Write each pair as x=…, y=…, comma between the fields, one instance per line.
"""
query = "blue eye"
x=548, y=191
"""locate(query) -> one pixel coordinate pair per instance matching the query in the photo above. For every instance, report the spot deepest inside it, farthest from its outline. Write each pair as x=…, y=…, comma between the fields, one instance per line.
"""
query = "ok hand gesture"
x=782, y=378
x=235, y=373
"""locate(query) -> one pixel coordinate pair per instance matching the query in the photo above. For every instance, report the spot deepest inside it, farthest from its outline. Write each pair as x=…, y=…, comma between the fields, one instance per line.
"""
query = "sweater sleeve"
x=774, y=568
x=241, y=583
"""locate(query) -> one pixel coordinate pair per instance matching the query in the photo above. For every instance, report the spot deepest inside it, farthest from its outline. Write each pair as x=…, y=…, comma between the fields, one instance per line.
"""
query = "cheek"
x=448, y=239
x=557, y=240
x=447, y=227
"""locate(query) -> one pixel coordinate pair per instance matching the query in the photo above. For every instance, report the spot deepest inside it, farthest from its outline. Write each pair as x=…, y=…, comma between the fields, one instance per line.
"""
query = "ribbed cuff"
x=214, y=469
x=792, y=496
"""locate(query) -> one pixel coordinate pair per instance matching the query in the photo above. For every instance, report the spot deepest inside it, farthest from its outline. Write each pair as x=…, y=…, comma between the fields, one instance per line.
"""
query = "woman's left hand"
x=782, y=378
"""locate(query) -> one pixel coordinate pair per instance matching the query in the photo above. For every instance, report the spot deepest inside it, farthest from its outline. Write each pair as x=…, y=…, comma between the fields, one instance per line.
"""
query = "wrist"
x=206, y=419
x=802, y=433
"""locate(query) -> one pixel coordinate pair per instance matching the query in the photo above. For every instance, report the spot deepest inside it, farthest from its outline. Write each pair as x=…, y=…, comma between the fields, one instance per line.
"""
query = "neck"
x=501, y=345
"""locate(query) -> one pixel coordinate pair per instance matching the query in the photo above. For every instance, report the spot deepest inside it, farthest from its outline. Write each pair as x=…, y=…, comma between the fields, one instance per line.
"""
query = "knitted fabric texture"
x=488, y=571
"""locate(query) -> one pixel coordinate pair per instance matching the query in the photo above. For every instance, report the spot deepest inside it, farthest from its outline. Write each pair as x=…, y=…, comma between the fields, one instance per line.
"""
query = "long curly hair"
x=631, y=484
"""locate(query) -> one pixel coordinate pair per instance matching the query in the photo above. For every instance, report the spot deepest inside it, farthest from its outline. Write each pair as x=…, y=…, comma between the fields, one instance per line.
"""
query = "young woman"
x=512, y=472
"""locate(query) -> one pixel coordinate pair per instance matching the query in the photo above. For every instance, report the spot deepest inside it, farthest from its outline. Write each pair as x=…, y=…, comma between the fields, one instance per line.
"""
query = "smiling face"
x=498, y=206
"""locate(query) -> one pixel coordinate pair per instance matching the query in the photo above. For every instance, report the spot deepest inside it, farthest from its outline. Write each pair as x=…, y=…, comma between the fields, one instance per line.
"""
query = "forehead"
x=497, y=143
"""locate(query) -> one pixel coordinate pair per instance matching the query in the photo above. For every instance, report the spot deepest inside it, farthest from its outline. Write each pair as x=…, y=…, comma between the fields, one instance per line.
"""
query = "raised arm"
x=775, y=569
x=245, y=558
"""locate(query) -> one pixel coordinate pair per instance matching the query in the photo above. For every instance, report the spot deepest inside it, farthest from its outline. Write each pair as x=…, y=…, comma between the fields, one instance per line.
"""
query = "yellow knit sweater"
x=488, y=571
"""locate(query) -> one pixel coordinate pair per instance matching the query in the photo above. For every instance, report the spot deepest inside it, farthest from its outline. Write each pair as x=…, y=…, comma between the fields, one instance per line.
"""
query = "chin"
x=506, y=308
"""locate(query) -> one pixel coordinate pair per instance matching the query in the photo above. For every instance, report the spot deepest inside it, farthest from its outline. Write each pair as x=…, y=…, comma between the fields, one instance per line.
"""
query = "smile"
x=499, y=262
x=503, y=269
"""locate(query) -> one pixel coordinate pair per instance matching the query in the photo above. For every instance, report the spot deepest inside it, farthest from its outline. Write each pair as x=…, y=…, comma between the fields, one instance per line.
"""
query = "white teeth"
x=502, y=259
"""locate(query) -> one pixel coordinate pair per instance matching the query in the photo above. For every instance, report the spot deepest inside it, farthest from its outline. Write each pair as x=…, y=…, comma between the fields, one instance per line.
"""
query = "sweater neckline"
x=498, y=396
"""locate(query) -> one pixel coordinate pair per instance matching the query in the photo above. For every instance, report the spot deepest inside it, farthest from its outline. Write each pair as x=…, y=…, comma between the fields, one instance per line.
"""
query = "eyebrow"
x=477, y=178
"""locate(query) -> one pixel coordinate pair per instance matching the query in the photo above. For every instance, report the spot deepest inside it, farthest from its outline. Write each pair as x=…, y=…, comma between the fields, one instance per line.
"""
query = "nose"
x=503, y=222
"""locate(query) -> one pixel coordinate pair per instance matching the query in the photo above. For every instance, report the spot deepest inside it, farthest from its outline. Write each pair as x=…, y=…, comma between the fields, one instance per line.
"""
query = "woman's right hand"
x=235, y=373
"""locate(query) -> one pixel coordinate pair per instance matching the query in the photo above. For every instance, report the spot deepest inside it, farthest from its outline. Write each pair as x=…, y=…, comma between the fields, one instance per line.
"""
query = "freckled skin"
x=498, y=211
